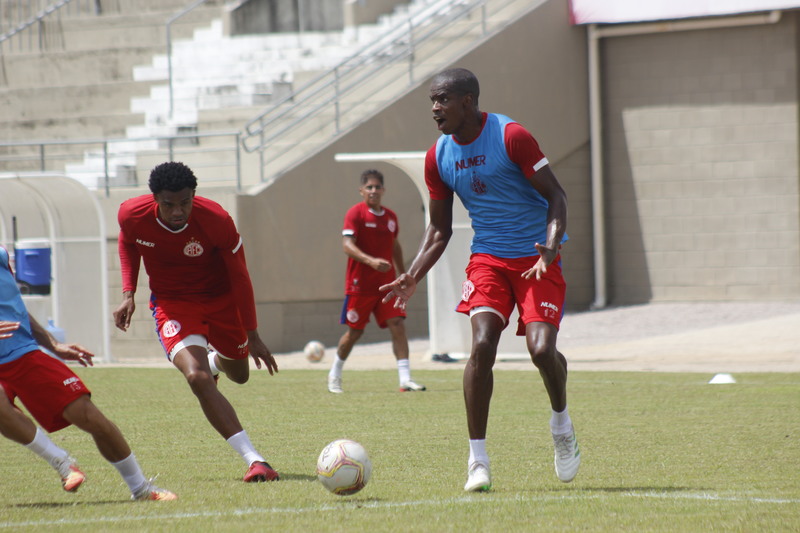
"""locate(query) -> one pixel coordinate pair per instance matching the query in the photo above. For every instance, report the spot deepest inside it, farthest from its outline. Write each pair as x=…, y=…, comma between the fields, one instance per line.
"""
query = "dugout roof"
x=57, y=212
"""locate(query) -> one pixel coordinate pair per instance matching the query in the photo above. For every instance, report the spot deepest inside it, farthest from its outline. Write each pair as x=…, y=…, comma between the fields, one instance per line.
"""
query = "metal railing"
x=169, y=24
x=328, y=91
x=112, y=158
x=23, y=23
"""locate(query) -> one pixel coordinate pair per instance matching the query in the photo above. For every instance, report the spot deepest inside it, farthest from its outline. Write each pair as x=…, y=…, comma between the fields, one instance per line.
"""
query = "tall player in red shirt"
x=201, y=295
x=369, y=239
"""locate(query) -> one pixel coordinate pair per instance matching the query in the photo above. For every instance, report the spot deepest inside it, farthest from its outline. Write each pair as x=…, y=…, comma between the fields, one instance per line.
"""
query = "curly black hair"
x=172, y=176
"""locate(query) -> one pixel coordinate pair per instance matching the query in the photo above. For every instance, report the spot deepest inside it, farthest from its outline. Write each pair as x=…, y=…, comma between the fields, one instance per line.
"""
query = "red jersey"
x=203, y=259
x=375, y=235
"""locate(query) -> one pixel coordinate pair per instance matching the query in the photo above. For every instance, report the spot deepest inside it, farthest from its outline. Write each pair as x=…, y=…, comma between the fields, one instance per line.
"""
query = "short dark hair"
x=172, y=176
x=459, y=80
x=371, y=172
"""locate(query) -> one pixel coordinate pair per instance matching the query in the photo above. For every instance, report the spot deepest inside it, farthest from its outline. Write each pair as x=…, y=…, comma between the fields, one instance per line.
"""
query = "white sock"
x=560, y=423
x=130, y=471
x=241, y=443
x=212, y=362
x=403, y=370
x=336, y=368
x=477, y=452
x=45, y=448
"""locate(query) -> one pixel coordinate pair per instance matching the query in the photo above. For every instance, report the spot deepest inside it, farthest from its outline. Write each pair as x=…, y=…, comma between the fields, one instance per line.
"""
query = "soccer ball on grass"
x=314, y=351
x=344, y=467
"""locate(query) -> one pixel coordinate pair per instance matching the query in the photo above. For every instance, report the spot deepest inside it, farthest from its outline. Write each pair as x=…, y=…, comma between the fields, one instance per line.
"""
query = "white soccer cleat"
x=335, y=385
x=567, y=456
x=411, y=386
x=479, y=479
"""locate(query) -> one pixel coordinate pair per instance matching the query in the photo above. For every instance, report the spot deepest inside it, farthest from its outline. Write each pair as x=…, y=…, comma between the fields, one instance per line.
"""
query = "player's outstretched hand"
x=259, y=352
x=7, y=328
x=73, y=352
x=546, y=256
x=400, y=289
x=124, y=312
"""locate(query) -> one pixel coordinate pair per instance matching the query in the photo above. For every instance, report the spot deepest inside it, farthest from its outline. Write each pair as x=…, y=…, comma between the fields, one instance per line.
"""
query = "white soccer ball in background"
x=314, y=351
x=344, y=467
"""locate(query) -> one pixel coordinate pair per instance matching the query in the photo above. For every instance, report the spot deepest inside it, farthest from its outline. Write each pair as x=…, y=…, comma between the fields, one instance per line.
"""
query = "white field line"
x=469, y=499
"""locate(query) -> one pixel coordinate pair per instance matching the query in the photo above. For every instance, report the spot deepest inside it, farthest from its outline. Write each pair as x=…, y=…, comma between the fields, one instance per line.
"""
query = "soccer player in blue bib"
x=519, y=216
x=55, y=396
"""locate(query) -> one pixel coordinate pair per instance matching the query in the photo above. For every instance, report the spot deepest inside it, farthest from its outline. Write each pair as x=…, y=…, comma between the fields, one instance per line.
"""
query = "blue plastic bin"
x=33, y=269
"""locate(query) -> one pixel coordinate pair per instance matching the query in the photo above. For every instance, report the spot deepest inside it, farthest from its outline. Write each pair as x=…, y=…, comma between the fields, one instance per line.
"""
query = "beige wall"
x=535, y=72
x=702, y=171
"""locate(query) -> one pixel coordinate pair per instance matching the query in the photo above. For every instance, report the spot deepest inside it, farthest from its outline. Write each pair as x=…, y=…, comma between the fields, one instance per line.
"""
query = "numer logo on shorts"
x=550, y=309
x=352, y=315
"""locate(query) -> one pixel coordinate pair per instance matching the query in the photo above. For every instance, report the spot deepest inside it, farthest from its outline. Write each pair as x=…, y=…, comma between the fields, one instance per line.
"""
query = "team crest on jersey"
x=352, y=316
x=170, y=328
x=467, y=288
x=193, y=248
x=477, y=186
x=392, y=225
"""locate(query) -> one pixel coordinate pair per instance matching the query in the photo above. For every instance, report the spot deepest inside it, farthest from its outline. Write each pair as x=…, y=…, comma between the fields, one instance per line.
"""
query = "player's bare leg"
x=237, y=370
x=397, y=328
x=14, y=425
x=345, y=346
x=347, y=341
x=85, y=415
x=478, y=388
x=552, y=367
x=478, y=376
x=192, y=361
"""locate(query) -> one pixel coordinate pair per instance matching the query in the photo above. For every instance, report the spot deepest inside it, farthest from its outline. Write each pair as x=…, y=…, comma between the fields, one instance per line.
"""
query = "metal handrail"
x=40, y=17
x=169, y=23
x=173, y=148
x=397, y=44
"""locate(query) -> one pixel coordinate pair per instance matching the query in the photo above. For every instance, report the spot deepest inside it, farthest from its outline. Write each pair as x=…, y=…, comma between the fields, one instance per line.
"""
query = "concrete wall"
x=268, y=16
x=367, y=11
x=298, y=265
x=701, y=134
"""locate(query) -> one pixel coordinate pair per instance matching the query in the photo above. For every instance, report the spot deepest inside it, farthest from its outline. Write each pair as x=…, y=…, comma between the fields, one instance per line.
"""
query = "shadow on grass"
x=58, y=505
x=296, y=477
x=629, y=489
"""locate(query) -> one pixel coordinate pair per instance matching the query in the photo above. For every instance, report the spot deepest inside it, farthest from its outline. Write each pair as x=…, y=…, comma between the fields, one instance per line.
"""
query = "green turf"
x=661, y=452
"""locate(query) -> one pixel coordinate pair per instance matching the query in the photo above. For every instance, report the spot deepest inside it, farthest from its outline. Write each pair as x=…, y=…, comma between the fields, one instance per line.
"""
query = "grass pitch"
x=661, y=452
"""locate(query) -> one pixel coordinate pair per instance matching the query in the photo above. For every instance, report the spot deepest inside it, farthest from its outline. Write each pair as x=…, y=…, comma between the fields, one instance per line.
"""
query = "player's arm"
x=523, y=149
x=352, y=250
x=435, y=239
x=434, y=242
x=71, y=352
x=548, y=186
x=242, y=287
x=129, y=261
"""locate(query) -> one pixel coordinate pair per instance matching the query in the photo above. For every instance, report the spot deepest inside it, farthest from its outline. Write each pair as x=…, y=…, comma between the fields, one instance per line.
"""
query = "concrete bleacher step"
x=46, y=103
x=81, y=67
x=126, y=29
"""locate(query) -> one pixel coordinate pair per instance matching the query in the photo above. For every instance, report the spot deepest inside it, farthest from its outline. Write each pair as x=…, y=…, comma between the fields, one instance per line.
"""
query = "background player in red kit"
x=369, y=239
x=201, y=295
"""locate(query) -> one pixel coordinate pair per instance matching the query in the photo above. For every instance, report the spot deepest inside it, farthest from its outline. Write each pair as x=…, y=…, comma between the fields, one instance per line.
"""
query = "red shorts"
x=358, y=307
x=44, y=385
x=498, y=283
x=216, y=319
